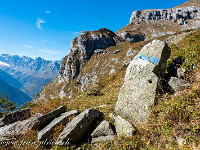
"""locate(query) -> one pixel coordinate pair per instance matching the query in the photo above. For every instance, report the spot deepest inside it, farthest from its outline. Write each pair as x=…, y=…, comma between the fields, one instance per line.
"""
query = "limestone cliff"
x=153, y=23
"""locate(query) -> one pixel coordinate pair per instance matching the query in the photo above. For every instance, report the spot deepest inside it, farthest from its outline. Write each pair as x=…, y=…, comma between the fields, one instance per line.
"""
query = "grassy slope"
x=175, y=116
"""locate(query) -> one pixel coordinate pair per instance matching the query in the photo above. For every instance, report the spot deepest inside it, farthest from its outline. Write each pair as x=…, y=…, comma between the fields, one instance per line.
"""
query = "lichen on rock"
x=142, y=81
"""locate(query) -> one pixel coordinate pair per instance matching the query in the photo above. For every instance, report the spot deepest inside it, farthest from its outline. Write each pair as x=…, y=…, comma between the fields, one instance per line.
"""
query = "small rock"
x=181, y=141
x=103, y=138
x=181, y=73
x=112, y=71
x=177, y=84
x=79, y=127
x=101, y=51
x=103, y=129
x=63, y=119
x=123, y=127
x=14, y=116
x=130, y=52
x=116, y=52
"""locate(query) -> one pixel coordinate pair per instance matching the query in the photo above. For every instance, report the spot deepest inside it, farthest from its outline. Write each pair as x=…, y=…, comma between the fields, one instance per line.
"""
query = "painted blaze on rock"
x=142, y=81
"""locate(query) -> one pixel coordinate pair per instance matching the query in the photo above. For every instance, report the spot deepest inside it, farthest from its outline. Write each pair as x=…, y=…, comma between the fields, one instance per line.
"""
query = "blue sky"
x=45, y=28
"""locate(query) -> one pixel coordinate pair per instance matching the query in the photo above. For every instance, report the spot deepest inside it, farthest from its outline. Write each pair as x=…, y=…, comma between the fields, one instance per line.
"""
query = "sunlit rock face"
x=153, y=23
x=142, y=81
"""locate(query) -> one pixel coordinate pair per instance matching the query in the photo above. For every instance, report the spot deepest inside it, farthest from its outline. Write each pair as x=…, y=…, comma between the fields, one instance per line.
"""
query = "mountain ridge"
x=16, y=95
x=31, y=73
x=144, y=26
x=153, y=23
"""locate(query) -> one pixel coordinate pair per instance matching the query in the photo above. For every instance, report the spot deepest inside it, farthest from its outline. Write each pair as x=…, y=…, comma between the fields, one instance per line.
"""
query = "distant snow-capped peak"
x=4, y=64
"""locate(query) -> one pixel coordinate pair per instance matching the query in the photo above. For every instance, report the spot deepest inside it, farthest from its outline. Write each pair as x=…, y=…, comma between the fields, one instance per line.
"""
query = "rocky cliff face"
x=154, y=23
x=95, y=55
x=72, y=78
x=81, y=50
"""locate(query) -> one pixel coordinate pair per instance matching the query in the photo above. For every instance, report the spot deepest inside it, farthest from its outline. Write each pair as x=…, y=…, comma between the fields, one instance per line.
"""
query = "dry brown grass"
x=175, y=116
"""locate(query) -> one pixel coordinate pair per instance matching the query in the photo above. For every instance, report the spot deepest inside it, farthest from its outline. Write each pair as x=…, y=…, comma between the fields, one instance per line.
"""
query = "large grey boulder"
x=142, y=81
x=37, y=122
x=79, y=127
x=42, y=121
x=19, y=127
x=63, y=119
x=104, y=129
x=14, y=116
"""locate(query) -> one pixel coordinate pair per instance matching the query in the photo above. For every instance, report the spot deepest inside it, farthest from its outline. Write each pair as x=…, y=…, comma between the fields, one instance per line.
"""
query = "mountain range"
x=25, y=76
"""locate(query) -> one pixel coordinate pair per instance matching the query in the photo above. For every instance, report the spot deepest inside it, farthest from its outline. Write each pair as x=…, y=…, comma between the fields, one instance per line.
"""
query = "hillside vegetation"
x=174, y=122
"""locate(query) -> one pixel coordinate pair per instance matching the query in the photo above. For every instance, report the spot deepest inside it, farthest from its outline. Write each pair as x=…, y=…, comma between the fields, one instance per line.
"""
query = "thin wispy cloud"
x=47, y=11
x=76, y=33
x=39, y=22
x=28, y=46
x=43, y=41
x=47, y=51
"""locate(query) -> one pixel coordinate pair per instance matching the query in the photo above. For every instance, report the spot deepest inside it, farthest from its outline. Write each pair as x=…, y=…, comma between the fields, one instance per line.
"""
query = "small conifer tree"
x=6, y=105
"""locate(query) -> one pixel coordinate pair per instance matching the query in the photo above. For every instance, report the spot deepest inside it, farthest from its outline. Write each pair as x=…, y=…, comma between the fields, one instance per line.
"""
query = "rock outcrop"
x=153, y=23
x=20, y=127
x=182, y=14
x=14, y=116
x=82, y=48
x=42, y=121
x=142, y=81
x=63, y=119
x=103, y=129
x=177, y=84
x=37, y=122
x=80, y=127
x=129, y=36
x=72, y=77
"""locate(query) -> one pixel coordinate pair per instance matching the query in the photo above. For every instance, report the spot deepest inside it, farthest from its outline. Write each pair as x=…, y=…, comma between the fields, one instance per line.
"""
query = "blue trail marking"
x=151, y=59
